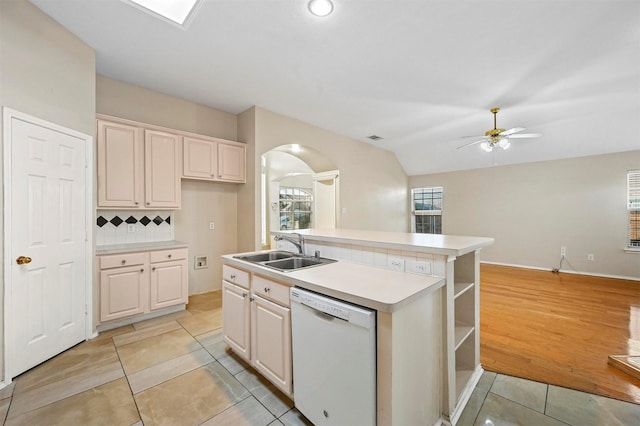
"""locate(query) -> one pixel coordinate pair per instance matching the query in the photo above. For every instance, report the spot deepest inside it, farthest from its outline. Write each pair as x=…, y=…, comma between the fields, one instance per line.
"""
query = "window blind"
x=633, y=190
x=633, y=205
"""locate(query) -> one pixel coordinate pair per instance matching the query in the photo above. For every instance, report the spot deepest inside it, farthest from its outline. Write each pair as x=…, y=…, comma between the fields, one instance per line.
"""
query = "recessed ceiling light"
x=176, y=11
x=320, y=7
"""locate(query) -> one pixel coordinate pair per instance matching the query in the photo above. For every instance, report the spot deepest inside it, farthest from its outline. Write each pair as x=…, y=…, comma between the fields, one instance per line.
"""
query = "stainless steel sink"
x=284, y=261
x=264, y=257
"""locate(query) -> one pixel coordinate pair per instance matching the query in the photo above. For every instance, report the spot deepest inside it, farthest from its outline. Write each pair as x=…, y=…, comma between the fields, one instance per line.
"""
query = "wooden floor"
x=560, y=328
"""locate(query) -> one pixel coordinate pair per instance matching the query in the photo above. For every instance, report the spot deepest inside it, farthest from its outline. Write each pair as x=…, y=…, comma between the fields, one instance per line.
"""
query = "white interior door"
x=325, y=199
x=46, y=252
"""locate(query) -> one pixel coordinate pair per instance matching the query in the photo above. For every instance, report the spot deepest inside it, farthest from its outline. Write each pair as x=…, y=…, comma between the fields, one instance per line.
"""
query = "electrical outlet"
x=395, y=263
x=590, y=257
x=418, y=267
x=131, y=227
x=212, y=225
x=563, y=250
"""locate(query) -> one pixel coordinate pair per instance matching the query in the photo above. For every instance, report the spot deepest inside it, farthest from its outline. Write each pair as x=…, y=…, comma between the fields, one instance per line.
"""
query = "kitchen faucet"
x=299, y=244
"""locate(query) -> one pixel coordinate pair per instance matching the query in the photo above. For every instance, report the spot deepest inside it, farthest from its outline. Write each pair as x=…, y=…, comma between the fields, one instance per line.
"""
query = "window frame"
x=308, y=193
x=427, y=212
x=633, y=209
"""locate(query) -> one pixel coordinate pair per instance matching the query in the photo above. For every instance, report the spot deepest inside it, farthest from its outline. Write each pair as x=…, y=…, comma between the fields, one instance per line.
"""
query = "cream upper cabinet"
x=231, y=163
x=120, y=165
x=215, y=160
x=163, y=157
x=200, y=158
x=138, y=168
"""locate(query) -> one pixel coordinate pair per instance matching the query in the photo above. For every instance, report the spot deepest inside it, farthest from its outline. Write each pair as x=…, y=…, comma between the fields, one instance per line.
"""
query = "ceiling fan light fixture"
x=486, y=146
x=504, y=143
x=320, y=7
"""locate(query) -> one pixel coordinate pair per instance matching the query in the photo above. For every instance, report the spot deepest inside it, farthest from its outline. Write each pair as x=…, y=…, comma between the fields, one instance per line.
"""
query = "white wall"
x=533, y=209
x=45, y=71
x=202, y=202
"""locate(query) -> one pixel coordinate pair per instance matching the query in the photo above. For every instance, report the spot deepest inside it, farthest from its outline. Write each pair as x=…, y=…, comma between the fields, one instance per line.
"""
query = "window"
x=427, y=210
x=633, y=206
x=295, y=208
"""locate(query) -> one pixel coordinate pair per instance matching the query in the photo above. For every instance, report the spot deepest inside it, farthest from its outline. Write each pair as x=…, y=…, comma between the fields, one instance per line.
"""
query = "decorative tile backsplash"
x=113, y=226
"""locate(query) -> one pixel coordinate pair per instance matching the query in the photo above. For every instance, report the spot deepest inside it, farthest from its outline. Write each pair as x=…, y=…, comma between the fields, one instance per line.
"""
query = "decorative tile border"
x=125, y=226
x=131, y=220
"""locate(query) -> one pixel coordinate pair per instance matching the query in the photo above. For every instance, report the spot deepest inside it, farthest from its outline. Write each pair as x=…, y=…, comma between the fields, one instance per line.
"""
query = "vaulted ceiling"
x=420, y=74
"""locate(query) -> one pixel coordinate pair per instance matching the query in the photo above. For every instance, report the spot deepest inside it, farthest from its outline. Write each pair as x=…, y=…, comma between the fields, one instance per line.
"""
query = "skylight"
x=176, y=11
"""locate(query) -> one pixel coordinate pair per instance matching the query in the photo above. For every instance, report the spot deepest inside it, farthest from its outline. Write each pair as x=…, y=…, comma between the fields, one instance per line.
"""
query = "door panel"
x=168, y=284
x=48, y=224
x=235, y=319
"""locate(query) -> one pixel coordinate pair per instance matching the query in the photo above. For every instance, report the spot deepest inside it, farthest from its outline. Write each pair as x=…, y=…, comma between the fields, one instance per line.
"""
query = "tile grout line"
x=135, y=402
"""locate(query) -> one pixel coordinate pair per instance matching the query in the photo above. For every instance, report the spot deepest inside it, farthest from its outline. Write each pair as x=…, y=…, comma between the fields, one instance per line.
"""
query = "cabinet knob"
x=142, y=270
x=169, y=256
x=251, y=299
x=148, y=203
x=233, y=276
x=267, y=289
x=136, y=203
x=244, y=295
x=123, y=261
x=153, y=269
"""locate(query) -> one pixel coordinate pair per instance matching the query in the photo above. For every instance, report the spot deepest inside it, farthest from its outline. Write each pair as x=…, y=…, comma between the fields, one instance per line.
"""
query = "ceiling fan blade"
x=512, y=131
x=525, y=135
x=472, y=143
x=475, y=136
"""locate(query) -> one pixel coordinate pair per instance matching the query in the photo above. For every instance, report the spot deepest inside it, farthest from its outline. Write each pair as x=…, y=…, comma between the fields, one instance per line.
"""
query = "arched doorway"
x=300, y=189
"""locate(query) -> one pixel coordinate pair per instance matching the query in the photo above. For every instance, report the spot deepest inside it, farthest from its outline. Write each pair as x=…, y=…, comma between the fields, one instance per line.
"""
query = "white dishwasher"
x=334, y=360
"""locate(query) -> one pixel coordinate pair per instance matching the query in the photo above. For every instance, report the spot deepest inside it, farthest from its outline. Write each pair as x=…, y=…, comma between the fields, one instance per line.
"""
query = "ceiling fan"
x=499, y=137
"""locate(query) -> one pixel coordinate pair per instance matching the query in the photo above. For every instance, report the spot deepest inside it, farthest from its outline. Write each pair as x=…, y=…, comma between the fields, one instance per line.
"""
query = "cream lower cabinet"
x=123, y=292
x=169, y=278
x=257, y=324
x=138, y=283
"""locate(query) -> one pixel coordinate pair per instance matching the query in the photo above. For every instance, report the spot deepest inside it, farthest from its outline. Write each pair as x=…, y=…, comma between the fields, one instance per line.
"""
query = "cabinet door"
x=231, y=163
x=235, y=318
x=200, y=159
x=123, y=292
x=162, y=171
x=120, y=165
x=271, y=342
x=168, y=284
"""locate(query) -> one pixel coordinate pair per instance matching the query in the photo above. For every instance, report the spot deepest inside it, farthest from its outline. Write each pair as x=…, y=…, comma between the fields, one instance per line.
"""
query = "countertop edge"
x=479, y=243
x=136, y=247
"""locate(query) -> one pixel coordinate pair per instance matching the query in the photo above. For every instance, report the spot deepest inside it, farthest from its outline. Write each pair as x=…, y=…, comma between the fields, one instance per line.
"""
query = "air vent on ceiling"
x=375, y=137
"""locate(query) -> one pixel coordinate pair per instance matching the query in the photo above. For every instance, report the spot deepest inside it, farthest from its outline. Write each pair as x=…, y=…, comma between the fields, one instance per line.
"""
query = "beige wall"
x=202, y=202
x=533, y=209
x=373, y=185
x=46, y=72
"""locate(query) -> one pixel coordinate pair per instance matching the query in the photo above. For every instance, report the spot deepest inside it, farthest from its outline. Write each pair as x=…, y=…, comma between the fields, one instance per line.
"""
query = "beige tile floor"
x=176, y=370
x=173, y=370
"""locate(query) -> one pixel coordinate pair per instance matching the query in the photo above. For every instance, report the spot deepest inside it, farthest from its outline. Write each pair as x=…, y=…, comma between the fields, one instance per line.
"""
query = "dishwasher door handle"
x=323, y=315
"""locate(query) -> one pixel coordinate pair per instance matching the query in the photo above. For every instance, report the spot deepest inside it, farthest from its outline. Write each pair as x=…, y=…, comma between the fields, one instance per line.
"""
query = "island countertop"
x=455, y=245
x=380, y=289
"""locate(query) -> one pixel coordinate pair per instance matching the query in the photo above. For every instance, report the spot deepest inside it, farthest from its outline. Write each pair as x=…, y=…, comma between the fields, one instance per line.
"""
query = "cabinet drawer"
x=271, y=290
x=124, y=259
x=166, y=255
x=236, y=276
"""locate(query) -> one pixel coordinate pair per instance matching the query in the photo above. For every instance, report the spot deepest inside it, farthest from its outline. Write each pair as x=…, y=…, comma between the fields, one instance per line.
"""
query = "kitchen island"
x=427, y=350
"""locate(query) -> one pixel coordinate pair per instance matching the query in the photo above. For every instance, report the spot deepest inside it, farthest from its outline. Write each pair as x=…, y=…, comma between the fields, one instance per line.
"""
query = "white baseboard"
x=566, y=271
